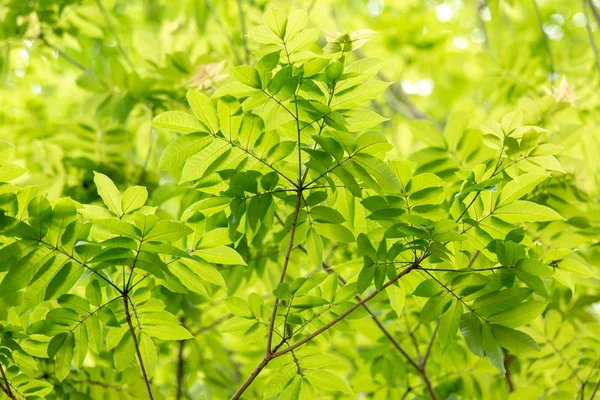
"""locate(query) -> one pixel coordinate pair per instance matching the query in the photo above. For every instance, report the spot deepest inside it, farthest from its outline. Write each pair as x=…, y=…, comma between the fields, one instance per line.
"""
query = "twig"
x=243, y=32
x=284, y=269
x=212, y=10
x=545, y=38
x=7, y=390
x=589, y=32
x=67, y=57
x=112, y=30
x=180, y=369
x=507, y=376
x=136, y=345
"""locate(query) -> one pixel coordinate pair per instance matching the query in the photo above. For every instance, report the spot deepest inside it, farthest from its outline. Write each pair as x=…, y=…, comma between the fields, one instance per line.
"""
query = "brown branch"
x=507, y=376
x=284, y=269
x=180, y=369
x=67, y=57
x=137, y=346
x=7, y=390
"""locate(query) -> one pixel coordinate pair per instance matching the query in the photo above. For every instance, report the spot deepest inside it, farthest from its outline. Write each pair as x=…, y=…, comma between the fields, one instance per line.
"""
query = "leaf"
x=182, y=148
x=109, y=193
x=516, y=342
x=337, y=233
x=9, y=172
x=520, y=315
x=149, y=354
x=199, y=164
x=471, y=329
x=205, y=271
x=238, y=307
x=168, y=232
x=449, y=324
x=203, y=109
x=134, y=197
x=63, y=358
x=40, y=215
x=526, y=211
x=397, y=297
x=124, y=353
x=520, y=186
x=168, y=332
x=492, y=349
x=248, y=76
x=220, y=255
x=327, y=380
x=574, y=266
x=511, y=121
x=314, y=247
x=178, y=121
x=359, y=94
x=276, y=20
x=382, y=172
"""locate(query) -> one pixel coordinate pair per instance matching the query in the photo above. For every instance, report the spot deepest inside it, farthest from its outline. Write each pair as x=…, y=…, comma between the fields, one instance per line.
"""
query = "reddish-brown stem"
x=137, y=345
x=7, y=390
x=251, y=378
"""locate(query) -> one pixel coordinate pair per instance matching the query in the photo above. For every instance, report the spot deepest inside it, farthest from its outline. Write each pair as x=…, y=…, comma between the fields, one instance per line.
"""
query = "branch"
x=180, y=369
x=589, y=32
x=7, y=390
x=232, y=44
x=345, y=313
x=67, y=57
x=111, y=28
x=284, y=269
x=545, y=38
x=243, y=32
x=126, y=301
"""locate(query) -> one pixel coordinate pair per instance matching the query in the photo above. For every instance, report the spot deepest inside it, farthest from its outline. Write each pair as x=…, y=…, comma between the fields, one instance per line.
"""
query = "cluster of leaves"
x=287, y=251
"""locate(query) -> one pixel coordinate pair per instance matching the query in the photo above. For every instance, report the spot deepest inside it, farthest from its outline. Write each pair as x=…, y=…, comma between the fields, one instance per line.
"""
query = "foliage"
x=260, y=213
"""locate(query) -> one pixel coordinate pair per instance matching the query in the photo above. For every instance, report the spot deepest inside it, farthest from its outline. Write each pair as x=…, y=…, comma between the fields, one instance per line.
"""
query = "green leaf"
x=167, y=232
x=471, y=329
x=40, y=215
x=359, y=94
x=178, y=121
x=337, y=233
x=168, y=332
x=449, y=324
x=520, y=315
x=526, y=211
x=182, y=148
x=276, y=20
x=519, y=187
x=327, y=380
x=238, y=307
x=492, y=349
x=397, y=297
x=203, y=109
x=220, y=255
x=314, y=247
x=63, y=358
x=205, y=271
x=134, y=197
x=109, y=193
x=516, y=342
x=149, y=354
x=248, y=76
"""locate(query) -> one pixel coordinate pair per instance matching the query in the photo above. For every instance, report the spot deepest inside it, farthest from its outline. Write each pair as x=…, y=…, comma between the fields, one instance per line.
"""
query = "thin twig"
x=589, y=32
x=126, y=301
x=7, y=390
x=112, y=30
x=212, y=10
x=284, y=269
x=538, y=15
x=243, y=32
x=67, y=57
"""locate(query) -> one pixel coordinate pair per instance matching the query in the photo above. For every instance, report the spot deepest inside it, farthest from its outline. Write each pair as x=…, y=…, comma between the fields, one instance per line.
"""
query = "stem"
x=284, y=269
x=7, y=390
x=243, y=32
x=545, y=38
x=137, y=346
x=67, y=57
x=595, y=390
x=507, y=376
x=212, y=10
x=483, y=4
x=180, y=369
x=345, y=313
x=111, y=28
x=589, y=32
x=251, y=378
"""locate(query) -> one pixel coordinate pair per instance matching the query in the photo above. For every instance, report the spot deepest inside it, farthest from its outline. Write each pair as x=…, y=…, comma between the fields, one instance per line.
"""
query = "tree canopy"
x=326, y=199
